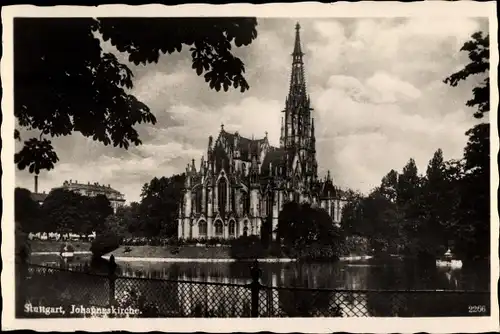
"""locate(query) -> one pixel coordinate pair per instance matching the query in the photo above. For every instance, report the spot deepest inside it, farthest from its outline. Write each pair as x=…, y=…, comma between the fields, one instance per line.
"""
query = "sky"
x=376, y=86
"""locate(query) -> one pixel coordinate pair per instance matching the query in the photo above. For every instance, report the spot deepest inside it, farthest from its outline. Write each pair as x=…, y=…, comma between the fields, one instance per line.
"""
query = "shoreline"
x=174, y=259
x=58, y=253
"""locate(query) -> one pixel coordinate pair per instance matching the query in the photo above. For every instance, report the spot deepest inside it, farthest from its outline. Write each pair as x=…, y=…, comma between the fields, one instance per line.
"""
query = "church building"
x=245, y=181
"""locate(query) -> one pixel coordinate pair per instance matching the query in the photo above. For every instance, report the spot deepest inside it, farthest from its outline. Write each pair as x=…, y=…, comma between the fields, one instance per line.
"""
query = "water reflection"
x=186, y=295
x=395, y=275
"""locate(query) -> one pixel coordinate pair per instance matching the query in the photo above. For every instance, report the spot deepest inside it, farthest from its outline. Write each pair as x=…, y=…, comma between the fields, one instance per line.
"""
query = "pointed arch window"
x=222, y=195
x=208, y=198
x=202, y=229
x=198, y=199
x=232, y=229
x=233, y=200
x=218, y=228
x=246, y=203
x=269, y=203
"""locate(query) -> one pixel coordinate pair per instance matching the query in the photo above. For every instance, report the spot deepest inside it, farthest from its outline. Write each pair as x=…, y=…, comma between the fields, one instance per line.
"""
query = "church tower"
x=297, y=131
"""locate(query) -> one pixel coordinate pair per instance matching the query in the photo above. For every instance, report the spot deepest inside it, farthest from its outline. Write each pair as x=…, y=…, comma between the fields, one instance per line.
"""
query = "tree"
x=27, y=212
x=159, y=206
x=478, y=48
x=383, y=223
x=64, y=82
x=65, y=211
x=115, y=224
x=129, y=217
x=352, y=213
x=408, y=184
x=409, y=201
x=98, y=209
x=69, y=212
x=473, y=230
x=389, y=185
x=308, y=232
x=435, y=202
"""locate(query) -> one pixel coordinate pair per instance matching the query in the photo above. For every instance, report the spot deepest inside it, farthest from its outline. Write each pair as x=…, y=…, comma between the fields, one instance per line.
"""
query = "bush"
x=355, y=245
x=215, y=241
x=317, y=251
x=104, y=243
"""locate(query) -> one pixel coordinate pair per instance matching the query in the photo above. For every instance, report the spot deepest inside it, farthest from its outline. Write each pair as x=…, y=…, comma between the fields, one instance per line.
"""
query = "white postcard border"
x=300, y=10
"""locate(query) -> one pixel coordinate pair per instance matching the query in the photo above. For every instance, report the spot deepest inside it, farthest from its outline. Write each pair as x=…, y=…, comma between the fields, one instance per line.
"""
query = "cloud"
x=376, y=89
x=361, y=139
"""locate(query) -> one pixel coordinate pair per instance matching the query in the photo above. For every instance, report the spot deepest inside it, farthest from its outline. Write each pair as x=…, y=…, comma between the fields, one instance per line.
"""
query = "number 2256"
x=477, y=308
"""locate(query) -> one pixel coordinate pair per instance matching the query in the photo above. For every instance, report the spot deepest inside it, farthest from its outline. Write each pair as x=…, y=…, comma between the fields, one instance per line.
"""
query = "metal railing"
x=85, y=294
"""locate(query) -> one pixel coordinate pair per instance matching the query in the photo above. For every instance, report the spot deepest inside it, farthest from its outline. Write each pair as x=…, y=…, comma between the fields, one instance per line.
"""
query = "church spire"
x=297, y=49
x=297, y=82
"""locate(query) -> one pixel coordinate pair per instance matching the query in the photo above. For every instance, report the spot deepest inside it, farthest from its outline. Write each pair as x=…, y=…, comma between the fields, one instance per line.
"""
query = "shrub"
x=355, y=245
x=104, y=243
x=216, y=240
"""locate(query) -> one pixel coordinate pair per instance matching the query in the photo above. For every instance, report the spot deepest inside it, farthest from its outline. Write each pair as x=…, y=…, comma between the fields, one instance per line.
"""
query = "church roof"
x=245, y=145
x=272, y=160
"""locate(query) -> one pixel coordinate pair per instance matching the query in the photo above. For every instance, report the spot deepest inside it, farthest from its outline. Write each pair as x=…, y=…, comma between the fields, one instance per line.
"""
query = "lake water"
x=367, y=275
x=358, y=275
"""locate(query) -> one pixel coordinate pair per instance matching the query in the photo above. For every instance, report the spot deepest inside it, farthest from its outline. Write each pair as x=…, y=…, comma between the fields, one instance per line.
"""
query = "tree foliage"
x=159, y=207
x=449, y=207
x=473, y=224
x=66, y=211
x=478, y=48
x=65, y=83
x=27, y=212
x=308, y=232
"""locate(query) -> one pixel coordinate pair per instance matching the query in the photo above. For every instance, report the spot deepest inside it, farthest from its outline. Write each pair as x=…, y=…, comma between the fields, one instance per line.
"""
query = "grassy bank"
x=55, y=246
x=186, y=252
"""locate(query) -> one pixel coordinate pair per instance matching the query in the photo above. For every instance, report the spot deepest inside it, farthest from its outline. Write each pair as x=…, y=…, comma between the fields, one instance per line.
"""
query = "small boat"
x=448, y=261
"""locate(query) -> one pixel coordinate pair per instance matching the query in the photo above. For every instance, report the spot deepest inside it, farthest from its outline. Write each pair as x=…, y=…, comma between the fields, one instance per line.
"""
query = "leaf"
x=87, y=91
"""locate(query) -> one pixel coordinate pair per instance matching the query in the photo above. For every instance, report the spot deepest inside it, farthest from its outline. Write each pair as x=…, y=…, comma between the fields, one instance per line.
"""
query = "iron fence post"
x=255, y=286
x=112, y=280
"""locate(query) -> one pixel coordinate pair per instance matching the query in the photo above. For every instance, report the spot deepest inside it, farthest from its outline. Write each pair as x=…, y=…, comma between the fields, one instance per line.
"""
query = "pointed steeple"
x=297, y=50
x=297, y=81
x=202, y=165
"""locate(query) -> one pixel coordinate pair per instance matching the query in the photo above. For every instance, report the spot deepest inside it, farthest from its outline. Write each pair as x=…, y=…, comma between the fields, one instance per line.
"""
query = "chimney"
x=36, y=184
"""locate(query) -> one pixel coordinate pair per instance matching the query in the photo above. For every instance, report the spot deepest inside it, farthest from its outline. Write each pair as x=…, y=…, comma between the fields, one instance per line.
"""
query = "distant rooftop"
x=95, y=186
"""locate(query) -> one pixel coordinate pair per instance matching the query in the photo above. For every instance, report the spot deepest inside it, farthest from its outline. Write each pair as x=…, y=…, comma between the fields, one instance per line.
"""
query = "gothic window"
x=296, y=197
x=202, y=228
x=246, y=203
x=232, y=228
x=198, y=199
x=243, y=169
x=245, y=231
x=332, y=210
x=218, y=228
x=269, y=202
x=207, y=198
x=222, y=195
x=233, y=199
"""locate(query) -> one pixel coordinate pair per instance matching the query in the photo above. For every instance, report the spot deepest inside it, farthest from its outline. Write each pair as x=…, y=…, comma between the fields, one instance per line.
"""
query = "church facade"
x=245, y=181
